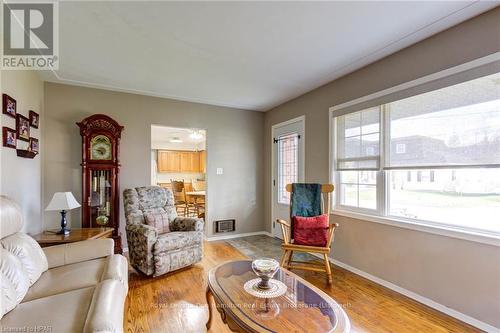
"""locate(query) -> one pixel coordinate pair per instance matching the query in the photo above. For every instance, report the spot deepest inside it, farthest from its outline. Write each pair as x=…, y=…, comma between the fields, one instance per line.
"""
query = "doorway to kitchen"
x=178, y=162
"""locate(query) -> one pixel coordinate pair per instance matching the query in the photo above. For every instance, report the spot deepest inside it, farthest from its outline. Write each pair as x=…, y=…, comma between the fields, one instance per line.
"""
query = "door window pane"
x=288, y=168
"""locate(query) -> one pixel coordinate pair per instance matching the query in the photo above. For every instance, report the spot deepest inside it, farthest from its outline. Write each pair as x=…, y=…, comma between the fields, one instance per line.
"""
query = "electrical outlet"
x=220, y=171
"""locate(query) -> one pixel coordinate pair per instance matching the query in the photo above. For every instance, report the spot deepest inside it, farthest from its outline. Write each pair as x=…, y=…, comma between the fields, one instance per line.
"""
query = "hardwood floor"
x=176, y=302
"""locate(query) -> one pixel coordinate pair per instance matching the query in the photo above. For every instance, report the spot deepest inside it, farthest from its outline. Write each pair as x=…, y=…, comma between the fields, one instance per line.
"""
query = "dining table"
x=198, y=198
x=196, y=194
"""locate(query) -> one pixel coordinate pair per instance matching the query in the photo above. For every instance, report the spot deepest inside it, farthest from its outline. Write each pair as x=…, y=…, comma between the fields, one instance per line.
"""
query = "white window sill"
x=474, y=236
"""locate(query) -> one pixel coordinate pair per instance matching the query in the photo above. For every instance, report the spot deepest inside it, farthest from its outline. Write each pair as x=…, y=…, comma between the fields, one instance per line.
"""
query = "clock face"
x=100, y=148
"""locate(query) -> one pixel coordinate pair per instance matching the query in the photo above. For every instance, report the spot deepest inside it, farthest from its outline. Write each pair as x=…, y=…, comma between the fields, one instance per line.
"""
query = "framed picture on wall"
x=23, y=127
x=9, y=137
x=34, y=145
x=34, y=119
x=9, y=105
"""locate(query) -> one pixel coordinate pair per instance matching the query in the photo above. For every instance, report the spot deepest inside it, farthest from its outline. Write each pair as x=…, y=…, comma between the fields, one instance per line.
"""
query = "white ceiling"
x=249, y=55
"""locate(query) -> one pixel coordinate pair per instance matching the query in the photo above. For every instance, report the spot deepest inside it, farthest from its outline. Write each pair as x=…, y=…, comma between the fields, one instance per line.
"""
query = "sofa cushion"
x=14, y=281
x=159, y=220
x=11, y=218
x=68, y=277
x=177, y=240
x=72, y=253
x=29, y=252
x=79, y=275
x=64, y=312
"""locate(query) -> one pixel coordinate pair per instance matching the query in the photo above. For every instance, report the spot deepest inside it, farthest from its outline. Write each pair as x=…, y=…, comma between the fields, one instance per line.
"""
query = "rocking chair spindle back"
x=289, y=247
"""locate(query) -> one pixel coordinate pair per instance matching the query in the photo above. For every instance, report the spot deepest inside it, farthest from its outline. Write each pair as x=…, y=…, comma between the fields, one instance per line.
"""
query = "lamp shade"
x=62, y=201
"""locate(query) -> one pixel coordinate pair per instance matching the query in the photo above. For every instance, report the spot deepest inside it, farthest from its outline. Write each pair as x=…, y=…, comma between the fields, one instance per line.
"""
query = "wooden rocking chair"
x=289, y=247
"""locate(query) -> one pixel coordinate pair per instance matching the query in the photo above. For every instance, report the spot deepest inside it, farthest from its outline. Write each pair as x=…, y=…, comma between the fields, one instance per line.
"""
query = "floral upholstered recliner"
x=151, y=251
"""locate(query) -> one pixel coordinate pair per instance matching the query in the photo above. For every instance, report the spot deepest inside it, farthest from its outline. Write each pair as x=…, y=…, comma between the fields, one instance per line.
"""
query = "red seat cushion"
x=312, y=231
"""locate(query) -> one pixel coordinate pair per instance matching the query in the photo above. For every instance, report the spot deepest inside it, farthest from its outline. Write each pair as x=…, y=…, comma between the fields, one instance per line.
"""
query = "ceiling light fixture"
x=196, y=135
x=176, y=140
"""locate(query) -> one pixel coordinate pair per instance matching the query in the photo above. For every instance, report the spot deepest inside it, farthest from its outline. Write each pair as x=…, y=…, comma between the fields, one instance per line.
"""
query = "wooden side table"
x=47, y=238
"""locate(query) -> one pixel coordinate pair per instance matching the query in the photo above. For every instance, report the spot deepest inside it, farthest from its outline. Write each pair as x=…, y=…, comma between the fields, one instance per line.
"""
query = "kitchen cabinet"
x=203, y=161
x=190, y=161
x=169, y=161
x=179, y=161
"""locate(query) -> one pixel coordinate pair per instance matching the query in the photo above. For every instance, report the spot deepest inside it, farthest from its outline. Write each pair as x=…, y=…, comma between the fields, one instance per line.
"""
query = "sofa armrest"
x=106, y=308
x=116, y=269
x=71, y=253
x=186, y=224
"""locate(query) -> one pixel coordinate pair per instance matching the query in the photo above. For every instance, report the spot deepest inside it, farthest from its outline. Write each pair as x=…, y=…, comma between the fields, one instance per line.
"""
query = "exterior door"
x=288, y=166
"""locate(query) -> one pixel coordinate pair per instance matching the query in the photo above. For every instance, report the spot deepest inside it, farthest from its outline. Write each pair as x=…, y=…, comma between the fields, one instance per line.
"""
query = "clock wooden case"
x=100, y=169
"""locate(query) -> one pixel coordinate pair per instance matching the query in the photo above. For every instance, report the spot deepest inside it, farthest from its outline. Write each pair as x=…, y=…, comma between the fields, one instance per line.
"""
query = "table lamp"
x=63, y=201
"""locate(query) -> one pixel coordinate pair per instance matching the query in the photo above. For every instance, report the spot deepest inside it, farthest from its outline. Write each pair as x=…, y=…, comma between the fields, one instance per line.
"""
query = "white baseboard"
x=419, y=298
x=222, y=237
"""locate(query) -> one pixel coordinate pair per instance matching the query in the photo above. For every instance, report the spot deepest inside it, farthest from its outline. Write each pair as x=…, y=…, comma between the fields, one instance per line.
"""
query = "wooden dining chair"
x=289, y=247
x=180, y=198
x=199, y=185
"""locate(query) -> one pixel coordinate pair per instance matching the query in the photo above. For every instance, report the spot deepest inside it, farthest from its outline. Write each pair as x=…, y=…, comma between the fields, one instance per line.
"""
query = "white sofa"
x=77, y=287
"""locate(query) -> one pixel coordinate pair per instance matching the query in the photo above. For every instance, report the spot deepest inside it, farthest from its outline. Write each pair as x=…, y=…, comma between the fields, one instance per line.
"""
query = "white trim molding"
x=419, y=298
x=230, y=236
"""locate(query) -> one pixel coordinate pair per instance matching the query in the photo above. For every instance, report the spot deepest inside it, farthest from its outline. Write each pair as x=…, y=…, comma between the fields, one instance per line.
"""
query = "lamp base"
x=63, y=232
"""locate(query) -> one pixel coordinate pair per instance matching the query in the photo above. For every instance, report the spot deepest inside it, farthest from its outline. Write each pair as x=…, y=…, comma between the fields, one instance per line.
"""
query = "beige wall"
x=21, y=177
x=234, y=143
x=459, y=274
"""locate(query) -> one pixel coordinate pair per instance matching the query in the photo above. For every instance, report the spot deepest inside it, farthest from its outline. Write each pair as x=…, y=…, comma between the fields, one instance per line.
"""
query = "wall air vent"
x=225, y=226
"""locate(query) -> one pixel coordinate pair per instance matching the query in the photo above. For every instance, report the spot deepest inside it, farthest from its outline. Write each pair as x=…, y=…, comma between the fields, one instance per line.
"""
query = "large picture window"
x=433, y=157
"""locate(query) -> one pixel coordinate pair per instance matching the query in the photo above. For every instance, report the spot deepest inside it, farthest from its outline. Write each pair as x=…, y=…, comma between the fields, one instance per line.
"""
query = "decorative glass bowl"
x=265, y=268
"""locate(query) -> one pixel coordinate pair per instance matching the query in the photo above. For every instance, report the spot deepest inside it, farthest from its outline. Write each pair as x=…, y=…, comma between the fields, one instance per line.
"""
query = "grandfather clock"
x=100, y=168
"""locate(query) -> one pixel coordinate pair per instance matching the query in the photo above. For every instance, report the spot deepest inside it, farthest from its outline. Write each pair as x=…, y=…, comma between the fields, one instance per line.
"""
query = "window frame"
x=380, y=179
x=381, y=214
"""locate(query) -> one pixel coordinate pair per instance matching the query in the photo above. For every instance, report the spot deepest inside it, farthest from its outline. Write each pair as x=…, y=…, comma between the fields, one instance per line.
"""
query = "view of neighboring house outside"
x=423, y=150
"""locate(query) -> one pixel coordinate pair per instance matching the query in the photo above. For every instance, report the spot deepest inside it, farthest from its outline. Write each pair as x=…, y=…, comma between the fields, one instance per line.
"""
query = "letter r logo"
x=28, y=28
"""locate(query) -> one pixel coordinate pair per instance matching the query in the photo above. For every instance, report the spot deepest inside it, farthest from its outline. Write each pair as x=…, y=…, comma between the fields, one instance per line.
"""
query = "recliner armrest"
x=145, y=230
x=141, y=239
x=186, y=224
x=71, y=253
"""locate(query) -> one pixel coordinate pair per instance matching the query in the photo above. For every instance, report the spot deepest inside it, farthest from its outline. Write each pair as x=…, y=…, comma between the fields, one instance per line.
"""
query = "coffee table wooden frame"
x=240, y=322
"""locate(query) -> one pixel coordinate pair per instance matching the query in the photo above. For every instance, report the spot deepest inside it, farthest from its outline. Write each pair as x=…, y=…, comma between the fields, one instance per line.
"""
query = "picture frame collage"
x=22, y=131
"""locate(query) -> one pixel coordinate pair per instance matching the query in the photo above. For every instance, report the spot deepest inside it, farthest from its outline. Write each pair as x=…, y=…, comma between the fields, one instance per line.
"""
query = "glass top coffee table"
x=303, y=308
